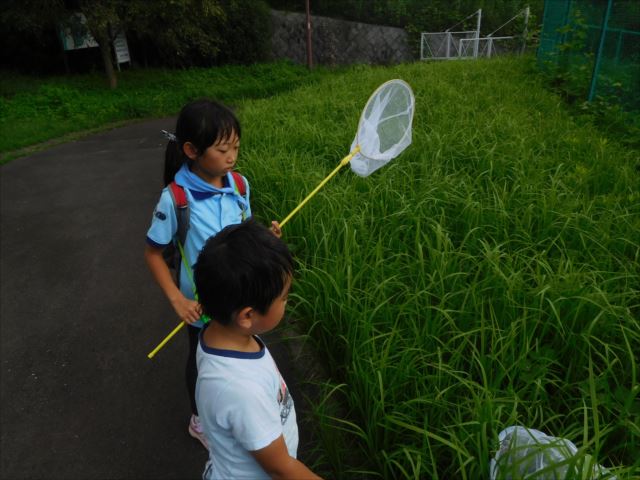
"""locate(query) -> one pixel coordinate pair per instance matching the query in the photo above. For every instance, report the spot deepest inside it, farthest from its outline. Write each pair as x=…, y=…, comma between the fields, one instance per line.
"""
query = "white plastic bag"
x=532, y=454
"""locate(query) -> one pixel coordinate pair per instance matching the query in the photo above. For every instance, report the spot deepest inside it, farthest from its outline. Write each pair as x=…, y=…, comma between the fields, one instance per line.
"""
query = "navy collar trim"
x=234, y=353
x=200, y=195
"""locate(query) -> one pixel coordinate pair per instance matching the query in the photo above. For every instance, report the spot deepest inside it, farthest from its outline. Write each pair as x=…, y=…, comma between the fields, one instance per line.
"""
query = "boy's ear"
x=190, y=150
x=244, y=319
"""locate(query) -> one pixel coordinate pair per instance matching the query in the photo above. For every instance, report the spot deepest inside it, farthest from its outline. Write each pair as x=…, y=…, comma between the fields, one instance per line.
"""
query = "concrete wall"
x=337, y=42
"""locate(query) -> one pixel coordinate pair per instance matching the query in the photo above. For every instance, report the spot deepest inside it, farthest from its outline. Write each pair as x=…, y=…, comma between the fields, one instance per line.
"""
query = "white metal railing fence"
x=443, y=45
x=489, y=46
x=449, y=45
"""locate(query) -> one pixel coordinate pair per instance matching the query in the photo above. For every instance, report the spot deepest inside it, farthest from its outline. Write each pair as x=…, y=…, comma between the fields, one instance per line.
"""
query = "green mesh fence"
x=593, y=48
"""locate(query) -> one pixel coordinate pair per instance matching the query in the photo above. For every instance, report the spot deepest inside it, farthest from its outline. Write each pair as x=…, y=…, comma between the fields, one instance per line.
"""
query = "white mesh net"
x=384, y=130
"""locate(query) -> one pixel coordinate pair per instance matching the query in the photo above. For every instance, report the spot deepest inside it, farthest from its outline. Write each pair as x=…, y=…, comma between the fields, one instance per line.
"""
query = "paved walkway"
x=79, y=312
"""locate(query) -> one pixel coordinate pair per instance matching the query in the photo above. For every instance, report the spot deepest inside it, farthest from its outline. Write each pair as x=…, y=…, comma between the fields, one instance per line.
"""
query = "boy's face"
x=271, y=319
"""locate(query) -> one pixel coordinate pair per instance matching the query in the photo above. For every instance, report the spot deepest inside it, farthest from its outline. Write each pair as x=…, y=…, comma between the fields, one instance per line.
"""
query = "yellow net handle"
x=163, y=342
x=342, y=163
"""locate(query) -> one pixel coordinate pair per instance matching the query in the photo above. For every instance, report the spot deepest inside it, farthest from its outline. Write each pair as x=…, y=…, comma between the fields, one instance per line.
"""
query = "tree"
x=245, y=33
x=27, y=27
x=183, y=30
x=35, y=18
x=104, y=21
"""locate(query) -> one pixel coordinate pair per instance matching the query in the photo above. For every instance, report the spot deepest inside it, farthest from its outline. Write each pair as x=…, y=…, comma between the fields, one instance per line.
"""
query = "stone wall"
x=337, y=42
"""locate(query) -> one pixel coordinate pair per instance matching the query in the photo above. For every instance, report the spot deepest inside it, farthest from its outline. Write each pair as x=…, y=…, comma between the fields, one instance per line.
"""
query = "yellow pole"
x=342, y=163
x=167, y=338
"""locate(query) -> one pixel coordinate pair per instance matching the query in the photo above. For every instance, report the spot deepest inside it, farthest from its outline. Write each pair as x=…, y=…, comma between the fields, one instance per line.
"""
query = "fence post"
x=526, y=25
x=475, y=44
x=563, y=36
x=618, y=47
x=309, y=52
x=596, y=65
x=543, y=31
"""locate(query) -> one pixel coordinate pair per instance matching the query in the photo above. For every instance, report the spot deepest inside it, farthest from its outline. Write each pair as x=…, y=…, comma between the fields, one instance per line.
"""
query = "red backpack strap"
x=239, y=179
x=241, y=188
x=179, y=197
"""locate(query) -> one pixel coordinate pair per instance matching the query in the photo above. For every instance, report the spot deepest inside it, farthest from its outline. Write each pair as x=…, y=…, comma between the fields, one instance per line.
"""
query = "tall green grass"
x=35, y=110
x=489, y=276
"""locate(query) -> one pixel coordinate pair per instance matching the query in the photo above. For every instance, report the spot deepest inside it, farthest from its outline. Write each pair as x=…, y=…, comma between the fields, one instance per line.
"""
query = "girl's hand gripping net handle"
x=177, y=329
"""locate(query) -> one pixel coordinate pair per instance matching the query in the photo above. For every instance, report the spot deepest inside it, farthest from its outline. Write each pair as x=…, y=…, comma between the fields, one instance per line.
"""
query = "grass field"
x=34, y=110
x=487, y=277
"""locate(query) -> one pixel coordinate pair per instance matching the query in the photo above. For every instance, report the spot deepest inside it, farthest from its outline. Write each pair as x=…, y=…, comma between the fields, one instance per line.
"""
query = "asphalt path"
x=79, y=312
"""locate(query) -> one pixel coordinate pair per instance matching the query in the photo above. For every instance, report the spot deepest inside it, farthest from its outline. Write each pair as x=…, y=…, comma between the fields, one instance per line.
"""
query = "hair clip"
x=170, y=136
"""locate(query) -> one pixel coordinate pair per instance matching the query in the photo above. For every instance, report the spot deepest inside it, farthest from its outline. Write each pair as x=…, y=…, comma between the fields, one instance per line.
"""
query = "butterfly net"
x=384, y=130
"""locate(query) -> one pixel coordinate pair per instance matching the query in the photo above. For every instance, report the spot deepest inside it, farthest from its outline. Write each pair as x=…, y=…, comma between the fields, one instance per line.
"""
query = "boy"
x=243, y=276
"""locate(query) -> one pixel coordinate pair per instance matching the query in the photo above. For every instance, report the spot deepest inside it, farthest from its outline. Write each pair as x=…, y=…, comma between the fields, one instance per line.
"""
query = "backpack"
x=171, y=253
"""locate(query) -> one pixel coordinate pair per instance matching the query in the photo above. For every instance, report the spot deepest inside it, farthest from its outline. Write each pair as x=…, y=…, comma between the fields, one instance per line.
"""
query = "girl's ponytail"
x=173, y=160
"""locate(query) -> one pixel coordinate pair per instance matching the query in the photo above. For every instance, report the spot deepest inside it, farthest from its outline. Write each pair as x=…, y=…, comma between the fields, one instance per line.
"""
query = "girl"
x=199, y=157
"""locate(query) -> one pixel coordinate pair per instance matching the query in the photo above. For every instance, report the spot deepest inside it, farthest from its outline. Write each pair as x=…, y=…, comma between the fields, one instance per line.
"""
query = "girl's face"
x=217, y=160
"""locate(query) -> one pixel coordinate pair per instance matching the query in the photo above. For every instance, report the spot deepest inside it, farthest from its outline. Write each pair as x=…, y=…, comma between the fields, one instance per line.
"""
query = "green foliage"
x=569, y=68
x=34, y=111
x=608, y=116
x=571, y=57
x=185, y=32
x=28, y=34
x=31, y=16
x=488, y=277
x=189, y=33
x=173, y=33
x=246, y=32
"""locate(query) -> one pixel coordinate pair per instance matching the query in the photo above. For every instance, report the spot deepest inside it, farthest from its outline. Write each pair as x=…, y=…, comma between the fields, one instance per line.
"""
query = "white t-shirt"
x=244, y=405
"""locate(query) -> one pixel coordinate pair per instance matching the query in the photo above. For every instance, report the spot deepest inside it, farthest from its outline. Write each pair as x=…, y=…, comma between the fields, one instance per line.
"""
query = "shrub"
x=246, y=35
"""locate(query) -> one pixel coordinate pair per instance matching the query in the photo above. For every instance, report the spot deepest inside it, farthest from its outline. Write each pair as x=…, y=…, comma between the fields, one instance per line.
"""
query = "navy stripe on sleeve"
x=156, y=245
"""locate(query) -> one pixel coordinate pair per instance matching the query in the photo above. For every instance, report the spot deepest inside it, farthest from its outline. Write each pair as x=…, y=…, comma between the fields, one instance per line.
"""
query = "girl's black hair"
x=202, y=123
x=244, y=265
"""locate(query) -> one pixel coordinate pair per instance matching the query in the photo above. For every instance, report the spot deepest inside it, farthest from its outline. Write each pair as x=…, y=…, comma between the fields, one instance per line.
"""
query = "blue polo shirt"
x=211, y=209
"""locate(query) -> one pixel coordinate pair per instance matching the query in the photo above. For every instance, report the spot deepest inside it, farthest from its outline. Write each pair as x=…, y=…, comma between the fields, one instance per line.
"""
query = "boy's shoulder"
x=237, y=370
x=216, y=357
x=237, y=382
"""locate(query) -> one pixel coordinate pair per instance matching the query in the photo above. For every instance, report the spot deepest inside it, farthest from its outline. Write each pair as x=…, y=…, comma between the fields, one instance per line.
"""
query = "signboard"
x=75, y=34
x=121, y=48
